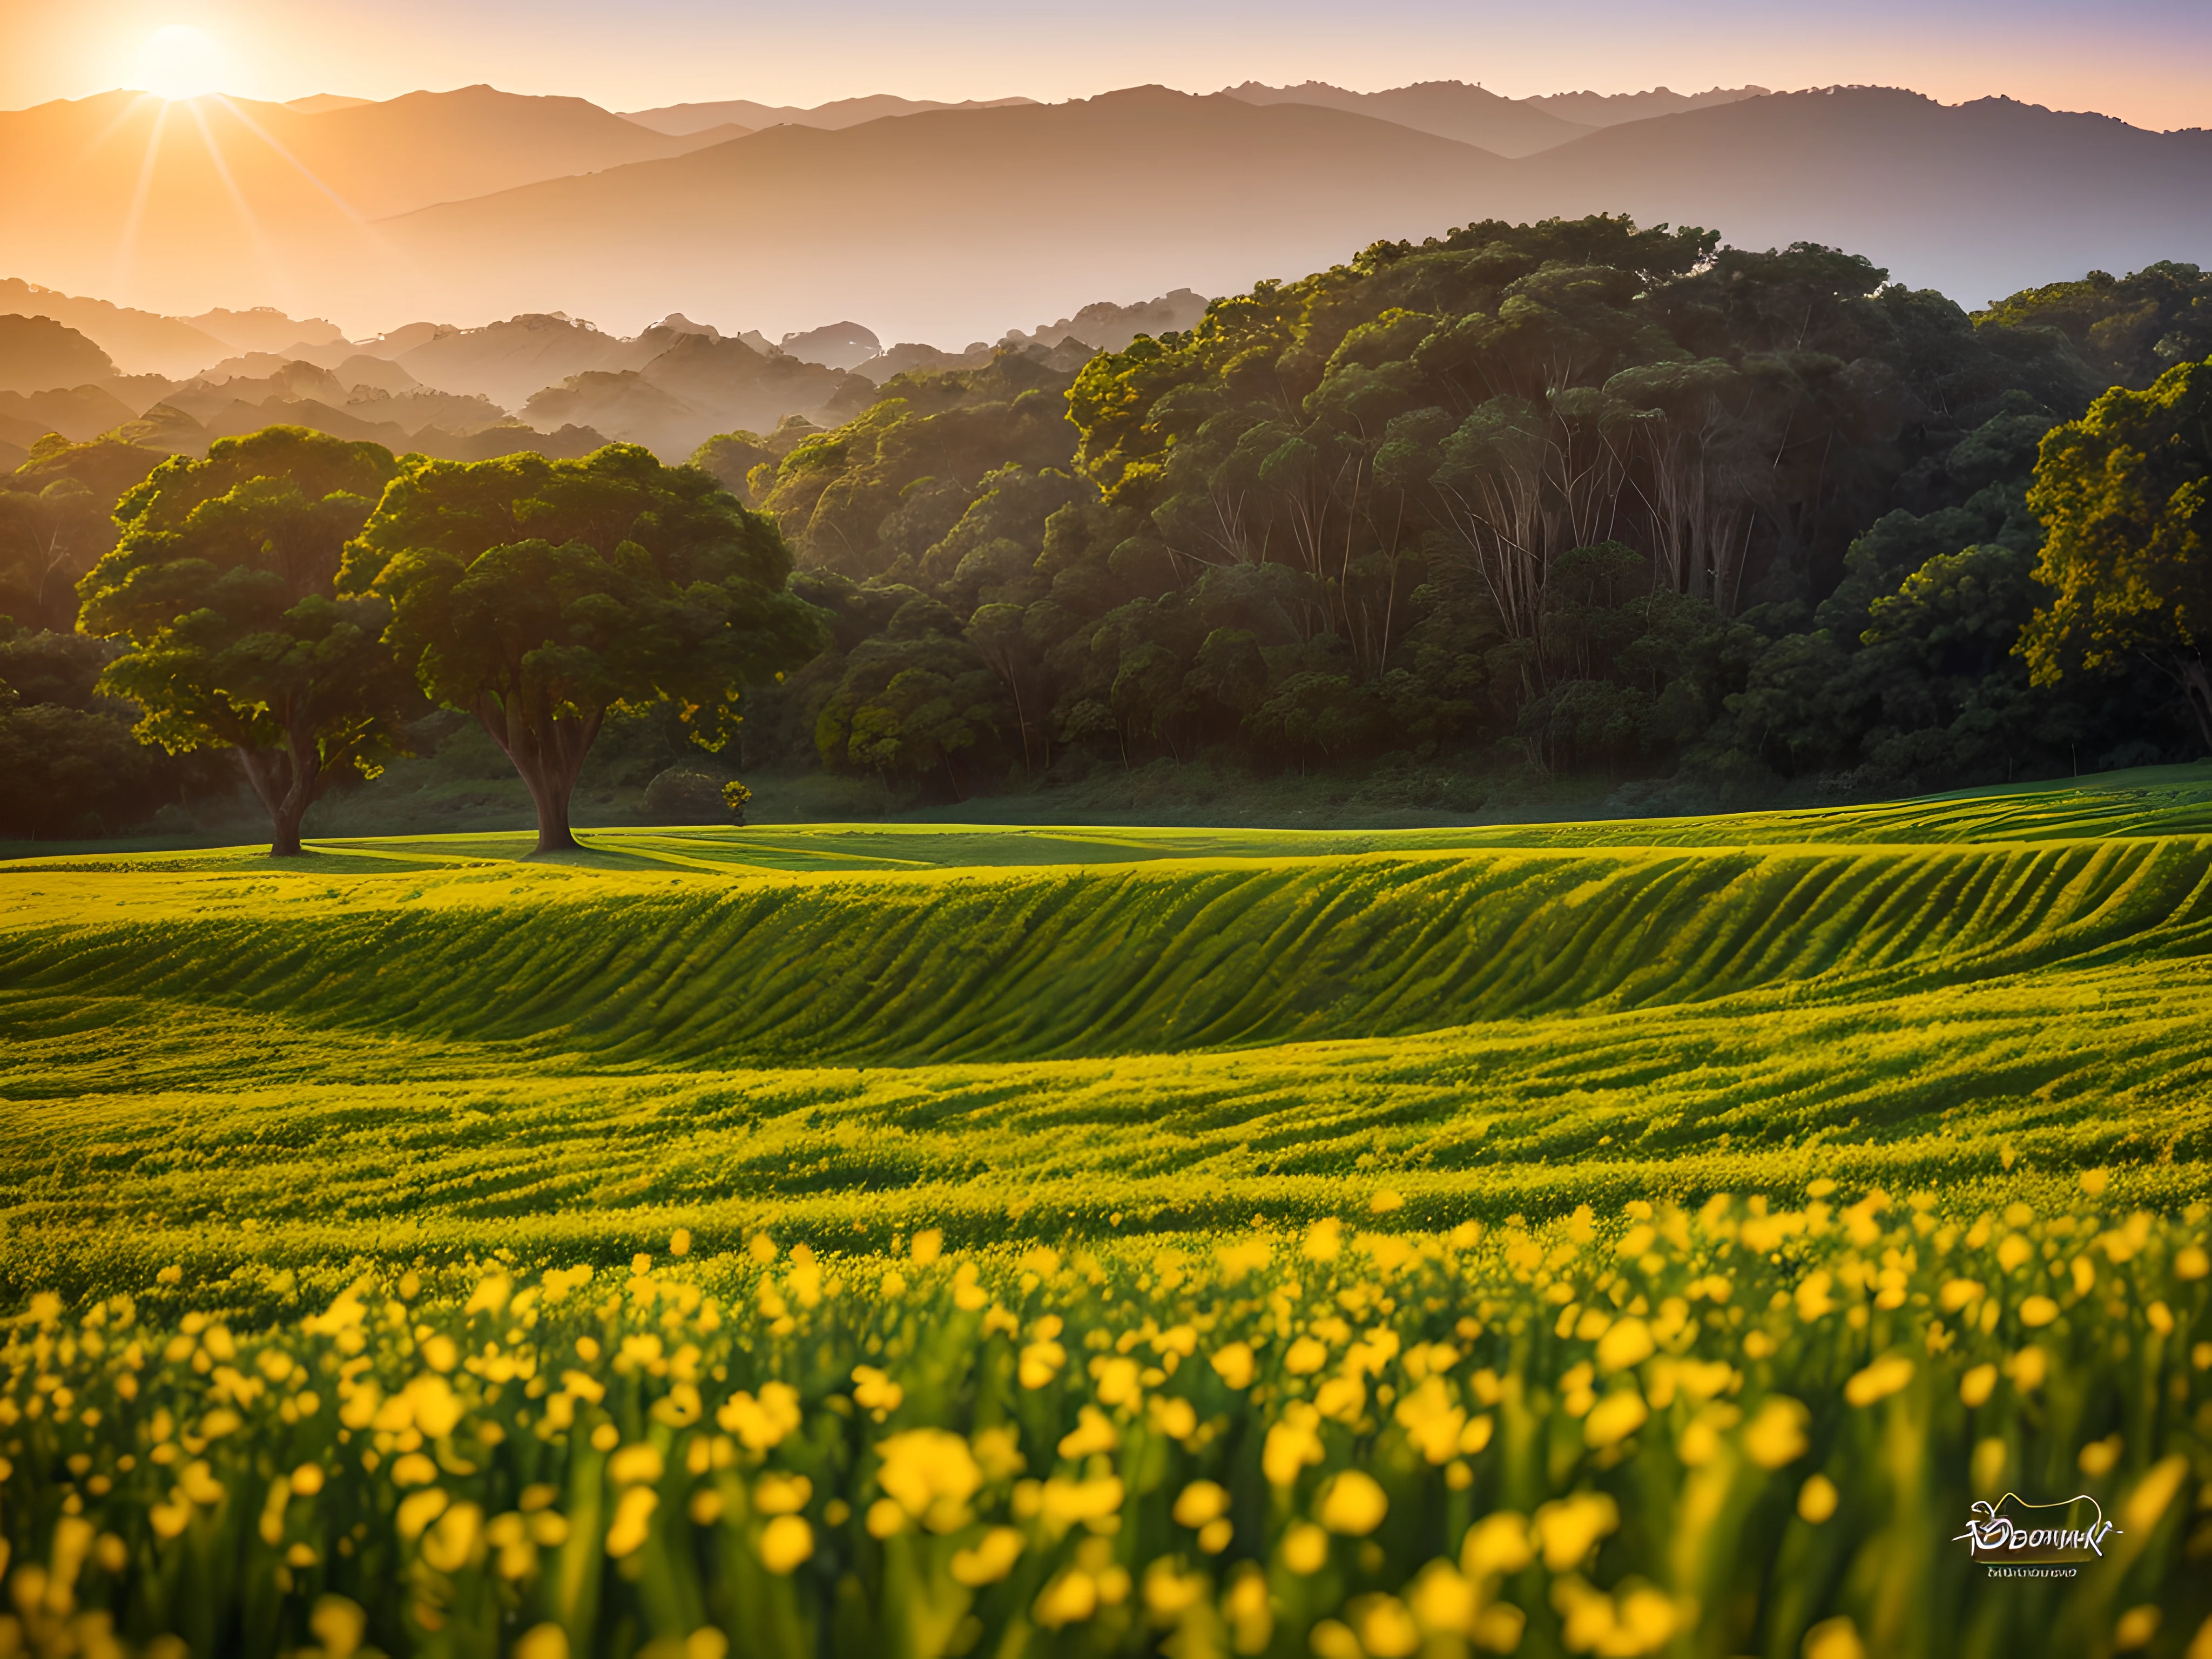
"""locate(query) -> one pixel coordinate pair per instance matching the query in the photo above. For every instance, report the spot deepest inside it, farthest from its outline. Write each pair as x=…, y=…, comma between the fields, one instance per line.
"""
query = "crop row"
x=949, y=966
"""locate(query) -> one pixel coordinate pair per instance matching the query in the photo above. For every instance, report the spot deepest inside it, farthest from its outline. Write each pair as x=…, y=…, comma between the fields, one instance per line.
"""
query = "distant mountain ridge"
x=1979, y=199
x=679, y=120
x=1450, y=109
x=943, y=222
x=1598, y=109
x=1138, y=190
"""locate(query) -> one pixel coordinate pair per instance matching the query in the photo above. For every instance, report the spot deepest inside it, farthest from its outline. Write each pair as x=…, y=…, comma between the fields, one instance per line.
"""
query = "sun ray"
x=264, y=249
x=122, y=116
x=126, y=244
x=297, y=165
x=380, y=246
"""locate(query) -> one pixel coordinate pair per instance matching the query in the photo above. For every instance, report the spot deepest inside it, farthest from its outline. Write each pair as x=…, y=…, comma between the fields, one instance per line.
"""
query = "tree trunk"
x=285, y=784
x=547, y=751
x=285, y=843
x=554, y=834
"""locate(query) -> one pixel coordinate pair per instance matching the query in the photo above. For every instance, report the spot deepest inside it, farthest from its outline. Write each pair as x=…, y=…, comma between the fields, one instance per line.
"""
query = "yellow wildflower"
x=784, y=1543
x=1880, y=1380
x=633, y=1519
x=1497, y=1545
x=1305, y=1549
x=1092, y=1433
x=1306, y=1356
x=1353, y=1505
x=1777, y=1436
x=1290, y=1445
x=1201, y=1502
x=1324, y=1240
x=1627, y=1342
x=1386, y=1630
x=1615, y=1418
x=1571, y=1527
x=932, y=1474
x=1444, y=1600
x=1834, y=1638
x=1251, y=1619
x=1235, y=1364
x=761, y=1423
x=1117, y=1381
x=1817, y=1498
x=418, y=1510
x=873, y=1391
x=457, y=1539
x=1040, y=1362
x=1070, y=1598
x=781, y=1494
x=991, y=1560
x=1431, y=1421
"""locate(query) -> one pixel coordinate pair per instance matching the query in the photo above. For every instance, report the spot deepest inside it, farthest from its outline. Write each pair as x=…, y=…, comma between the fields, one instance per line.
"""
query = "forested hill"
x=1580, y=496
x=1453, y=522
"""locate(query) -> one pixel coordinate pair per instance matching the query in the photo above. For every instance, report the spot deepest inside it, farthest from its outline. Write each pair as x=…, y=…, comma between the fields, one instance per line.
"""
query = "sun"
x=177, y=62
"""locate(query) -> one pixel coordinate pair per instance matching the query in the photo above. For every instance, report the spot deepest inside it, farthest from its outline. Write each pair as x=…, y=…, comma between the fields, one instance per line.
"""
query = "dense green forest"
x=1568, y=500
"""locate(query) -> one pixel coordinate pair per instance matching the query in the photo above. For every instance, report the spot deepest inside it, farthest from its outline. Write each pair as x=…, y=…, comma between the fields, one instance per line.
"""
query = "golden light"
x=177, y=62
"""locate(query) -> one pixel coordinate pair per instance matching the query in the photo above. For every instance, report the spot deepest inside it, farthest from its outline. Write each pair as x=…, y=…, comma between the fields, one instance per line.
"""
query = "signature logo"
x=2013, y=1530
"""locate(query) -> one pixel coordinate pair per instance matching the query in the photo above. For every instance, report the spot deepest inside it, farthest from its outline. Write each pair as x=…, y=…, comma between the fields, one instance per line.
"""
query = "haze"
x=2149, y=62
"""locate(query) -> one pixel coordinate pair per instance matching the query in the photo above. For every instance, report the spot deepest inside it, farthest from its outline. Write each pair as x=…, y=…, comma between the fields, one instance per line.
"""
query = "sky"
x=2149, y=62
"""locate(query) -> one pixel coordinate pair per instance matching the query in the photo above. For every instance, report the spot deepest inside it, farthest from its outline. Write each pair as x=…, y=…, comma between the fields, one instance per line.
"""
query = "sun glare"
x=179, y=62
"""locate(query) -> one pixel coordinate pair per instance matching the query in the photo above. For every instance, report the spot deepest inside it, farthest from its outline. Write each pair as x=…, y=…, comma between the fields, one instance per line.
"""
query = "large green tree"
x=2125, y=494
x=538, y=596
x=223, y=583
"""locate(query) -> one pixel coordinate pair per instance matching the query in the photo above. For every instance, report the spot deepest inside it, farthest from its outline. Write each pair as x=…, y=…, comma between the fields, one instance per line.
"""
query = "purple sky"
x=2146, y=61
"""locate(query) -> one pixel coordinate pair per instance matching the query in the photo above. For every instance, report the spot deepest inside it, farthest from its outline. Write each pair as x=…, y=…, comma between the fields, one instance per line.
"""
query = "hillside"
x=1202, y=193
x=38, y=354
x=140, y=342
x=1978, y=199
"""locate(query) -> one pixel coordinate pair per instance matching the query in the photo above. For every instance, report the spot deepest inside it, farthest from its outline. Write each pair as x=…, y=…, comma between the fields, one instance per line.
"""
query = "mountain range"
x=939, y=222
x=681, y=120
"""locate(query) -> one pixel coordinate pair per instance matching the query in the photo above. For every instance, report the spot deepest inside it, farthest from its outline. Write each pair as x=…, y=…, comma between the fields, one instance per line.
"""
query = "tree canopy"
x=538, y=596
x=2128, y=330
x=2125, y=495
x=223, y=583
x=1557, y=487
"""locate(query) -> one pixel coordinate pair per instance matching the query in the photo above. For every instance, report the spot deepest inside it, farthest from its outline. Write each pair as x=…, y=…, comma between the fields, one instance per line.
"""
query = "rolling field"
x=1441, y=1107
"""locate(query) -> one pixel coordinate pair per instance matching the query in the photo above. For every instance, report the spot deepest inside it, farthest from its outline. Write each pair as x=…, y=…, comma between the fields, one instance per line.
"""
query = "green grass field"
x=1022, y=1033
x=236, y=1088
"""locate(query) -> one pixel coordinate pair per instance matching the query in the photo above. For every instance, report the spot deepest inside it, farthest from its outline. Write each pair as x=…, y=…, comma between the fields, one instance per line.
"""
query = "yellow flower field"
x=1743, y=1429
